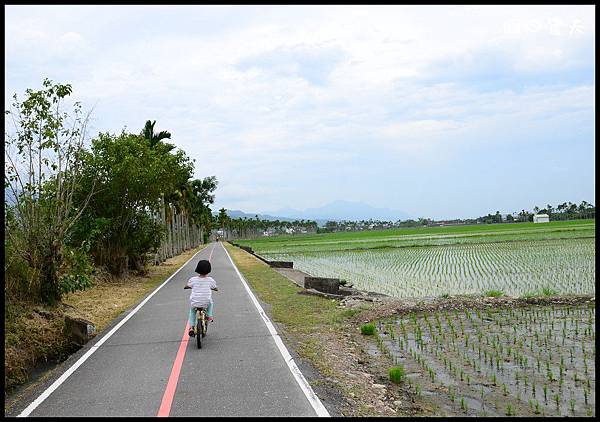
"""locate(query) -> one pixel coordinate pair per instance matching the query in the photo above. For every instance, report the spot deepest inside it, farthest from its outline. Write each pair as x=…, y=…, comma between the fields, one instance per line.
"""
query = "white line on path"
x=304, y=385
x=95, y=347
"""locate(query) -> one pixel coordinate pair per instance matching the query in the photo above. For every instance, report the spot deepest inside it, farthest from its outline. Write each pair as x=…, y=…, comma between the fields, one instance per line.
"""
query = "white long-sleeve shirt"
x=201, y=294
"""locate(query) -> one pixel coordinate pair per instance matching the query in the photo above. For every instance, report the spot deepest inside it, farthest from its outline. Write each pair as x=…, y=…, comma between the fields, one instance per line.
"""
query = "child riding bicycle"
x=201, y=296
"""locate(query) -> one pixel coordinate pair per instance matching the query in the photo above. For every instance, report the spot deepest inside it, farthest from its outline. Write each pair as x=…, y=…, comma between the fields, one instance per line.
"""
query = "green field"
x=517, y=259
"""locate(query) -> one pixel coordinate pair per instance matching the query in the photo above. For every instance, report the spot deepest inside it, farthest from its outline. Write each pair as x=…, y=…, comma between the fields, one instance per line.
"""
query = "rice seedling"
x=509, y=410
x=396, y=374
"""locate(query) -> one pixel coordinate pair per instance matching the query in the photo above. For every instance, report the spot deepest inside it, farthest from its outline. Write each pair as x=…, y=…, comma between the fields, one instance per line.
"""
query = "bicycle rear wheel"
x=199, y=331
x=204, y=325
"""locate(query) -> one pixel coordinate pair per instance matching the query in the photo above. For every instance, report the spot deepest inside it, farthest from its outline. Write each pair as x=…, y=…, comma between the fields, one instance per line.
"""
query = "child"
x=201, y=295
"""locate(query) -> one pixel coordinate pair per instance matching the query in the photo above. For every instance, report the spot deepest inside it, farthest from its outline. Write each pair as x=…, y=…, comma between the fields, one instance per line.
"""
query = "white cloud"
x=263, y=85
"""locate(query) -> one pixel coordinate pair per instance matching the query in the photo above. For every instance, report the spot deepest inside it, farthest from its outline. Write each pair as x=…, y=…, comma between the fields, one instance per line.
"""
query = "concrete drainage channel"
x=79, y=331
x=331, y=288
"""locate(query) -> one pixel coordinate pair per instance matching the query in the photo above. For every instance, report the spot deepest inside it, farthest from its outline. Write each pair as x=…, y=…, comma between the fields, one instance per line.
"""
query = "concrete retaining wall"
x=281, y=264
x=79, y=330
x=323, y=284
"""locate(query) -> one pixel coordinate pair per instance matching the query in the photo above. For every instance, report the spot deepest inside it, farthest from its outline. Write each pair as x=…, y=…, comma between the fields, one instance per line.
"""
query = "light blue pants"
x=192, y=317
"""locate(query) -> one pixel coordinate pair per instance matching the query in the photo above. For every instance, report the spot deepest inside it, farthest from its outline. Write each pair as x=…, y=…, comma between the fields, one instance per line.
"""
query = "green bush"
x=396, y=374
x=494, y=293
x=367, y=329
x=77, y=275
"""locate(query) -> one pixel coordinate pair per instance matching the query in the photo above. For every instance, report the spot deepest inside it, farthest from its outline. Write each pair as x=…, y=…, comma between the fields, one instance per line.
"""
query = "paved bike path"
x=238, y=372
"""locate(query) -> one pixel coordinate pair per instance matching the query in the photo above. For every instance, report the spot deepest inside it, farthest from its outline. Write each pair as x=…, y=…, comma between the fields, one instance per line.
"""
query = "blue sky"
x=437, y=111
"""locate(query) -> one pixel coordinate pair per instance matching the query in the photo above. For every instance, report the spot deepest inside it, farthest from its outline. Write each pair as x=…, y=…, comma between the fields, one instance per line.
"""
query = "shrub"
x=367, y=329
x=396, y=374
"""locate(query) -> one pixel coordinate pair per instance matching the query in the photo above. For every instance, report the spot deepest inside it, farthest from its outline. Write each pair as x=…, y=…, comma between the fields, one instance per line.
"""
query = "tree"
x=497, y=218
x=43, y=168
x=155, y=139
x=331, y=225
x=222, y=219
x=131, y=176
x=201, y=197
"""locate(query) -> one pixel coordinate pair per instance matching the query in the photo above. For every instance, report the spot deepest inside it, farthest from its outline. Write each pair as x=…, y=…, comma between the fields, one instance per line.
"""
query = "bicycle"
x=201, y=321
x=201, y=325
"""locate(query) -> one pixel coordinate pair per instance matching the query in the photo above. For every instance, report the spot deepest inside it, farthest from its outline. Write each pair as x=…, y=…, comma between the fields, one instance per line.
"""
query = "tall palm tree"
x=154, y=139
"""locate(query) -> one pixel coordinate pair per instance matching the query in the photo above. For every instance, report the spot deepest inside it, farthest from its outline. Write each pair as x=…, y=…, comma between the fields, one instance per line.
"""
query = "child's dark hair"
x=203, y=267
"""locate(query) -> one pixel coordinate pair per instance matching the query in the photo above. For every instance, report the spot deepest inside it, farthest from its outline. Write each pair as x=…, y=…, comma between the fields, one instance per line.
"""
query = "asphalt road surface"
x=240, y=371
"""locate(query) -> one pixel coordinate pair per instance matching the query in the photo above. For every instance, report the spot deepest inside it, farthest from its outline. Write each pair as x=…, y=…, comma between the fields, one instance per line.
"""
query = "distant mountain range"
x=344, y=210
x=335, y=211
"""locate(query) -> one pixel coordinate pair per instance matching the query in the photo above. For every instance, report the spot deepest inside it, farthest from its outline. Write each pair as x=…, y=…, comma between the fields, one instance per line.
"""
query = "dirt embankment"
x=387, y=307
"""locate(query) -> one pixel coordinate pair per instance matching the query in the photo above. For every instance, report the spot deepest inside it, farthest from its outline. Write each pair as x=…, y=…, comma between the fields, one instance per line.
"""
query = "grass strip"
x=299, y=313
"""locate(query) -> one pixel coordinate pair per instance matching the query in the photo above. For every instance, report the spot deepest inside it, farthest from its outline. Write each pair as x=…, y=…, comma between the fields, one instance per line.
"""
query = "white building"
x=541, y=218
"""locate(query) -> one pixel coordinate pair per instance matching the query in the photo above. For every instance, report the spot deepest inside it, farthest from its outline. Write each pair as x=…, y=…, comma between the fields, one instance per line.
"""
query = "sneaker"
x=191, y=333
x=210, y=318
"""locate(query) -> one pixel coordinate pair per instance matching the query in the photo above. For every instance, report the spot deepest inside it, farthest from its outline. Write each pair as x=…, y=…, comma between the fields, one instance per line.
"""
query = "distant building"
x=541, y=218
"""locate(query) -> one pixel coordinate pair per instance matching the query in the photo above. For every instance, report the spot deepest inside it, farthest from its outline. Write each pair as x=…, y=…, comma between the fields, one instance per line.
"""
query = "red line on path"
x=167, y=400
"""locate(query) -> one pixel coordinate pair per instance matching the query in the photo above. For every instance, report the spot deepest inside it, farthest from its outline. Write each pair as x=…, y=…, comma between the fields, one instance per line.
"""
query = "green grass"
x=367, y=329
x=546, y=291
x=396, y=374
x=494, y=293
x=300, y=313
